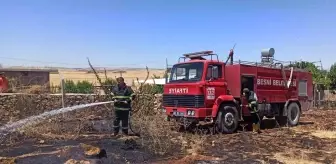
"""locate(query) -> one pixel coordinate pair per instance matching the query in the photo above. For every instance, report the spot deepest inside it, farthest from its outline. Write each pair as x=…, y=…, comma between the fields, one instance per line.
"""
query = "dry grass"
x=294, y=159
x=129, y=76
x=72, y=161
x=7, y=160
x=89, y=149
x=157, y=137
x=324, y=134
x=156, y=133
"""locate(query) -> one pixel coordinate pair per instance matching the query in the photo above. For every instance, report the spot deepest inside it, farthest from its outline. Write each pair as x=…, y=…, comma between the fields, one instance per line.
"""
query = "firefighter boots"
x=256, y=127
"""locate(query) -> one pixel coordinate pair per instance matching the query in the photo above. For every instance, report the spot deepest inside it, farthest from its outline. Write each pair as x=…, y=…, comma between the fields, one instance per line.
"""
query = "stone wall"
x=14, y=107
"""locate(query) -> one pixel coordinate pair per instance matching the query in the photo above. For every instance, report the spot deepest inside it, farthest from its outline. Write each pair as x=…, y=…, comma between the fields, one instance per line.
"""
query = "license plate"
x=176, y=113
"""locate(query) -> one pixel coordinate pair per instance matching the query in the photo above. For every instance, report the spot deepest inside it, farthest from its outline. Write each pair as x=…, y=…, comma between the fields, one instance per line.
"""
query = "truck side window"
x=216, y=70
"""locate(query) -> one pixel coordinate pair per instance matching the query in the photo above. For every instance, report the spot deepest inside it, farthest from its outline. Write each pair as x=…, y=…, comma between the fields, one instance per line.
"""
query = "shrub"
x=54, y=88
x=80, y=87
x=157, y=89
x=70, y=86
x=152, y=88
x=110, y=81
x=84, y=87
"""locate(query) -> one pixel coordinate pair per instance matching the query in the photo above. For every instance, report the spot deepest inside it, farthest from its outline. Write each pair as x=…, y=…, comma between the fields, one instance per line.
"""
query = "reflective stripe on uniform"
x=125, y=128
x=117, y=108
x=122, y=97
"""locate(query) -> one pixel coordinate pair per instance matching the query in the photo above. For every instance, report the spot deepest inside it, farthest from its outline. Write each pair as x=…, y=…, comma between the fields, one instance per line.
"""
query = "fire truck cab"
x=210, y=91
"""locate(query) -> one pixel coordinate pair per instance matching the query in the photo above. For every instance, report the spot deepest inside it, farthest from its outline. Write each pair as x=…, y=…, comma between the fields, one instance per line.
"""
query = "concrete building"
x=25, y=77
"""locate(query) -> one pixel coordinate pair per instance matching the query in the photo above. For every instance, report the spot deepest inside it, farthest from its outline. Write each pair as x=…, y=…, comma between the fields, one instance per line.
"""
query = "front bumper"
x=188, y=116
x=187, y=112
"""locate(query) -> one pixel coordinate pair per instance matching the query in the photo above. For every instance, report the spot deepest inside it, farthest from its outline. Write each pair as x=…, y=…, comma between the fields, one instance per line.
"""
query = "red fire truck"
x=209, y=91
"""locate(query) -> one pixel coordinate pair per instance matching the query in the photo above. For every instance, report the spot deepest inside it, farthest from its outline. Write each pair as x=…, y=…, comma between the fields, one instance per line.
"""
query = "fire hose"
x=256, y=112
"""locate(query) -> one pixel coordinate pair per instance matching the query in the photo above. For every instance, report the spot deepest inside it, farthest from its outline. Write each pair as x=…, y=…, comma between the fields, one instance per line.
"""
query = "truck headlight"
x=190, y=112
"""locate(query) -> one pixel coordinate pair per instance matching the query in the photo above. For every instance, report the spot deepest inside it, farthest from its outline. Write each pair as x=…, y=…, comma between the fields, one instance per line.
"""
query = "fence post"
x=319, y=98
x=62, y=89
x=314, y=95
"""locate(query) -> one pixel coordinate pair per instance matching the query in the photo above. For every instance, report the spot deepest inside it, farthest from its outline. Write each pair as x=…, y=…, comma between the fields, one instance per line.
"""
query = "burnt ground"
x=313, y=141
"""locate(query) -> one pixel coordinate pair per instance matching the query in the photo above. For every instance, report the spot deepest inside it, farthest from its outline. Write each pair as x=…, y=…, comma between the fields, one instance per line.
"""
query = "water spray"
x=11, y=127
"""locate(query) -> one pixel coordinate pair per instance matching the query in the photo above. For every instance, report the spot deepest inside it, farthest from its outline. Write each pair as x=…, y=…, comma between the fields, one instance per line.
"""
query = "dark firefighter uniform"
x=253, y=106
x=123, y=95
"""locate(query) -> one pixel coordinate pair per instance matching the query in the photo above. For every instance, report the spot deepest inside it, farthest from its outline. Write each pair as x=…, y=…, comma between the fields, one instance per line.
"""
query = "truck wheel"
x=227, y=119
x=293, y=114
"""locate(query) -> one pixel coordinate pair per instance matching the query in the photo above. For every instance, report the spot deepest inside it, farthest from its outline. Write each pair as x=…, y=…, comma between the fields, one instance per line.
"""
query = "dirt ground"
x=313, y=141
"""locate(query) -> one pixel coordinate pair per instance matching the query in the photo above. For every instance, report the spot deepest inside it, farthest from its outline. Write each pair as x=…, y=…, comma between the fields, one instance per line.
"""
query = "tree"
x=332, y=76
x=319, y=76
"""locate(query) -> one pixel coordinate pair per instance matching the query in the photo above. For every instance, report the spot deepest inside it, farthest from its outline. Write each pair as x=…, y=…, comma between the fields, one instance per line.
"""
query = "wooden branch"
x=99, y=80
x=140, y=88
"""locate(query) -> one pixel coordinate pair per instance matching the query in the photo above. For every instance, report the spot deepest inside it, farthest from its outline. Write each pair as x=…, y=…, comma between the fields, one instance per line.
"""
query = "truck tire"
x=293, y=114
x=227, y=119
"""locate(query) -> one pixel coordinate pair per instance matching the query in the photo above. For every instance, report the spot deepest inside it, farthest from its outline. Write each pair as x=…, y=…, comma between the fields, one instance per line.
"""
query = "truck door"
x=214, y=84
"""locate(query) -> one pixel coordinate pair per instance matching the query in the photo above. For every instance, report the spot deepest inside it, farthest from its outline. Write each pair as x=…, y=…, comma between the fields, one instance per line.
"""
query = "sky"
x=134, y=33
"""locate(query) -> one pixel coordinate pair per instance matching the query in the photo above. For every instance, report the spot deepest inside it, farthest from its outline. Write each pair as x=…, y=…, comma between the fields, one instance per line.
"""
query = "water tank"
x=268, y=53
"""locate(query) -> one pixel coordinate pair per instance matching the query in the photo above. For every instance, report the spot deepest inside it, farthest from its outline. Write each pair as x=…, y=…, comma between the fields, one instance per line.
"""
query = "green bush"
x=70, y=86
x=157, y=89
x=110, y=81
x=80, y=87
x=55, y=88
x=152, y=89
x=84, y=87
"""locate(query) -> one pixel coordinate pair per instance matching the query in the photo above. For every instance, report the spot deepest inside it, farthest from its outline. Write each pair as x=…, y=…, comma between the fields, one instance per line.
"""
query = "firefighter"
x=123, y=96
x=252, y=104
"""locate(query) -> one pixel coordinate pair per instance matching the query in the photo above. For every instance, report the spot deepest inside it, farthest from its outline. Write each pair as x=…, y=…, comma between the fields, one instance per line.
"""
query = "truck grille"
x=187, y=101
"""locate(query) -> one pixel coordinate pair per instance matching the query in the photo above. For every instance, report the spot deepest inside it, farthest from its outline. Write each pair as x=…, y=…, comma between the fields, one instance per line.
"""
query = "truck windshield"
x=190, y=72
